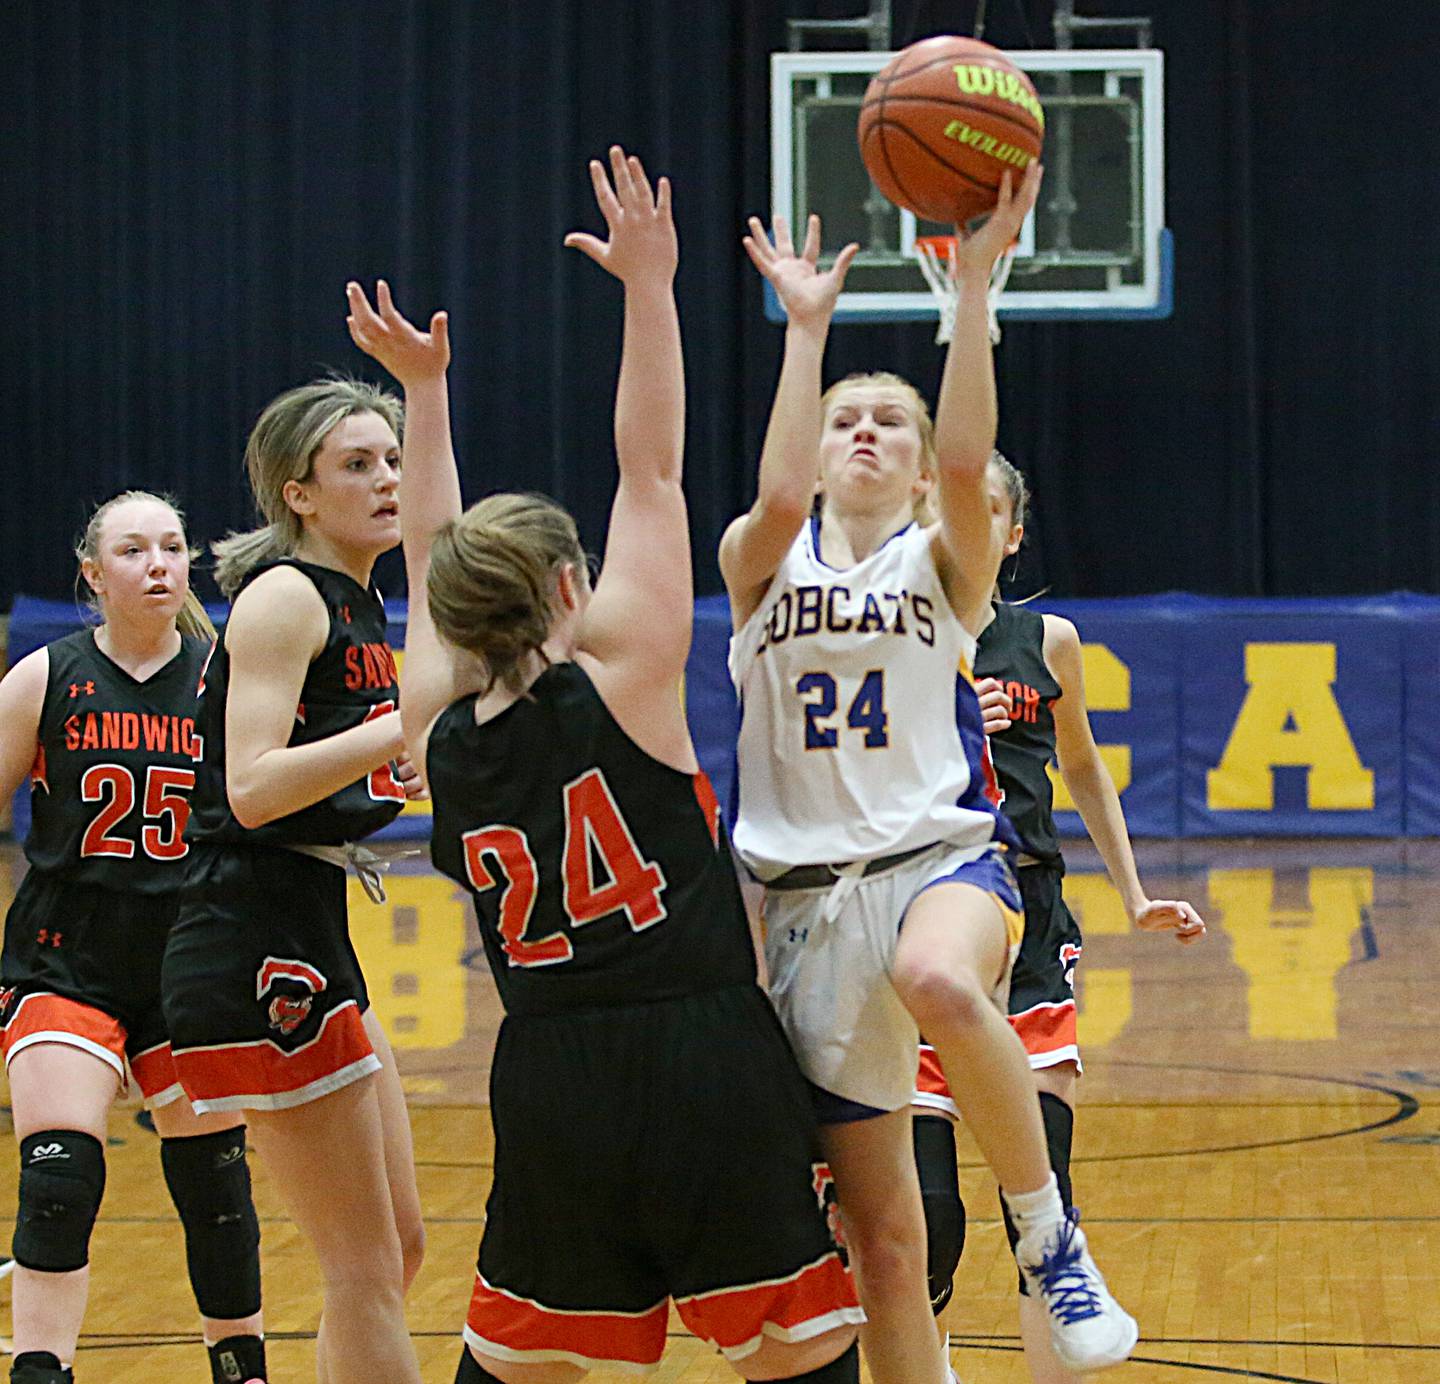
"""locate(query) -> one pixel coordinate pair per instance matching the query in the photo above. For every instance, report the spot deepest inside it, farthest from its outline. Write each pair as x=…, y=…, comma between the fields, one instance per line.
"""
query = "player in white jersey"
x=861, y=806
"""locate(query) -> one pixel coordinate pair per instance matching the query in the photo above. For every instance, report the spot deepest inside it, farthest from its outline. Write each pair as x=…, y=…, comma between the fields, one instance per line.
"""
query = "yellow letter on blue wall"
x=1290, y=718
x=1107, y=688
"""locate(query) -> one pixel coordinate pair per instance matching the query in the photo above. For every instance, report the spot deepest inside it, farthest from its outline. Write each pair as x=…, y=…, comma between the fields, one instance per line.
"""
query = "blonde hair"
x=192, y=619
x=924, y=424
x=492, y=580
x=282, y=448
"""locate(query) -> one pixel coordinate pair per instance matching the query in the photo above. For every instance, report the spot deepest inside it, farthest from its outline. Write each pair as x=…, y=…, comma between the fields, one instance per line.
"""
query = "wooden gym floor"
x=1257, y=1146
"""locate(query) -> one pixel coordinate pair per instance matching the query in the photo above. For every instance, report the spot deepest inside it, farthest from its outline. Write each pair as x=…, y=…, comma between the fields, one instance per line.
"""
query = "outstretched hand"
x=1171, y=915
x=977, y=251
x=409, y=354
x=642, y=231
x=806, y=293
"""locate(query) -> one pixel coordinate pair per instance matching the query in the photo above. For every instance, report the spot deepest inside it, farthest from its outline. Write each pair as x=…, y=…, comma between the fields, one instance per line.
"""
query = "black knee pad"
x=62, y=1178
x=944, y=1211
x=209, y=1183
x=1059, y=1121
x=843, y=1369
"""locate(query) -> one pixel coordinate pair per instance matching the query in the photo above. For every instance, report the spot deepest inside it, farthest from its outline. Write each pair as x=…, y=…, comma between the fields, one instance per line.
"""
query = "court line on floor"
x=1407, y=1106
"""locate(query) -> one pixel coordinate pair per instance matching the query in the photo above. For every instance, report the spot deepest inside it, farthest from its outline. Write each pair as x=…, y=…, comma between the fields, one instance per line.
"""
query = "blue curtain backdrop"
x=187, y=184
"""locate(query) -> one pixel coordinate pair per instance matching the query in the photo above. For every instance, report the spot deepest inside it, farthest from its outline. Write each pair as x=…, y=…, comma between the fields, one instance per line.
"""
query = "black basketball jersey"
x=1011, y=648
x=114, y=767
x=600, y=876
x=351, y=680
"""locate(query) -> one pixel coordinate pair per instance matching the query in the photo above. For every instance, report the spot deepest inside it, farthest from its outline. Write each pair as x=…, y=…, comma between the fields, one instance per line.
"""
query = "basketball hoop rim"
x=941, y=246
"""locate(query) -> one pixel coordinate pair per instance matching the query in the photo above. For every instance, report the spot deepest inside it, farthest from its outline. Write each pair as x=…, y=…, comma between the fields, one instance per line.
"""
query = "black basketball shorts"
x=652, y=1152
x=262, y=989
x=1042, y=985
x=82, y=967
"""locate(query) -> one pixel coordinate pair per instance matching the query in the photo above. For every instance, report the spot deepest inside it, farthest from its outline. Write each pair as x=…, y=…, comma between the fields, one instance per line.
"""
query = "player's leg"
x=935, y=1116
x=476, y=1367
x=1042, y=1012
x=935, y=1162
x=953, y=954
x=873, y=1161
x=399, y=1151
x=833, y=1358
x=1056, y=1086
x=351, y=1223
x=939, y=1172
x=399, y=1167
x=203, y=1158
x=60, y=1096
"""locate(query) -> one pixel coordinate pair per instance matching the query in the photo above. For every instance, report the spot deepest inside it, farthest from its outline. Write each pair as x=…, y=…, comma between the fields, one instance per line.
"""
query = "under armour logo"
x=76, y=688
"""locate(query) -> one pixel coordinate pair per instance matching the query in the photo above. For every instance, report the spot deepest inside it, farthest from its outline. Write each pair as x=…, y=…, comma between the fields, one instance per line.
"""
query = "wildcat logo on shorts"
x=823, y=1182
x=1069, y=955
x=292, y=987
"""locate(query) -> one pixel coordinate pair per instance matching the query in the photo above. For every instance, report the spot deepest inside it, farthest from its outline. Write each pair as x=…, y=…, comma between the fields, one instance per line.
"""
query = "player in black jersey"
x=1030, y=679
x=263, y=994
x=653, y=1134
x=104, y=721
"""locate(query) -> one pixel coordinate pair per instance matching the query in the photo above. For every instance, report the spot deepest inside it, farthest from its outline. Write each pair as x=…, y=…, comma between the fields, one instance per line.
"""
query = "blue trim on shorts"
x=833, y=1109
x=992, y=873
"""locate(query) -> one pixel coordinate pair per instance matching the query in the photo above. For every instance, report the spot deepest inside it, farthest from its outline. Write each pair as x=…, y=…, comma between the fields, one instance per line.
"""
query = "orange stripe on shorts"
x=821, y=1295
x=527, y=1327
x=1046, y=1027
x=262, y=1068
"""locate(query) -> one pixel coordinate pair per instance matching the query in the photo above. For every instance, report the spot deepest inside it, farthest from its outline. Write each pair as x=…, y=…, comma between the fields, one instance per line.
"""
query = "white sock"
x=1037, y=1210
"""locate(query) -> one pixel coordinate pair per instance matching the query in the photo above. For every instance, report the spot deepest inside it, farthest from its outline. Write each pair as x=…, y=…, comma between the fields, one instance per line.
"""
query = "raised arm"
x=22, y=700
x=1094, y=792
x=637, y=626
x=429, y=489
x=755, y=544
x=965, y=419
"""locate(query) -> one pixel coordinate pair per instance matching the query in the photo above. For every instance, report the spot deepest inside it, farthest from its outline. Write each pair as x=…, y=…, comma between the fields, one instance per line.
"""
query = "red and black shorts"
x=82, y=967
x=649, y=1153
x=1042, y=987
x=263, y=992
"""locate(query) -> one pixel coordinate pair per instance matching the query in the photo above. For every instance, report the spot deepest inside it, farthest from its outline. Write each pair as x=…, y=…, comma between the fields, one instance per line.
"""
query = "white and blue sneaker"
x=1088, y=1328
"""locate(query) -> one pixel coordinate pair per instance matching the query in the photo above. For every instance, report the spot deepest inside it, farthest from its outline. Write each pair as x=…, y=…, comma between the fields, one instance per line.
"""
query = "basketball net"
x=937, y=262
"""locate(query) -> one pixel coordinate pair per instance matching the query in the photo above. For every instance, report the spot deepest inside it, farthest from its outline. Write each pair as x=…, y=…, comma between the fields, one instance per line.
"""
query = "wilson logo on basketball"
x=975, y=80
x=291, y=987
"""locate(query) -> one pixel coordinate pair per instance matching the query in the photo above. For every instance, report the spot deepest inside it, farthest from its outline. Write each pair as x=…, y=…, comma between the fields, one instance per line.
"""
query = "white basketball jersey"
x=857, y=737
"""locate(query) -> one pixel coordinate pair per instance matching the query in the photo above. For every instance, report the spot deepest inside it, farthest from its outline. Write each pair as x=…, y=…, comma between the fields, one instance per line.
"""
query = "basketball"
x=943, y=122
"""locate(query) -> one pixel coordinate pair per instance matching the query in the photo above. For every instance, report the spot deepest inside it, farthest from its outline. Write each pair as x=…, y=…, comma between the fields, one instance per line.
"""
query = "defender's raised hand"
x=642, y=239
x=806, y=292
x=409, y=354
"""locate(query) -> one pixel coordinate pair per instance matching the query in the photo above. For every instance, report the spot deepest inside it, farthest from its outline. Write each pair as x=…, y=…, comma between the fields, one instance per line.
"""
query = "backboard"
x=1096, y=247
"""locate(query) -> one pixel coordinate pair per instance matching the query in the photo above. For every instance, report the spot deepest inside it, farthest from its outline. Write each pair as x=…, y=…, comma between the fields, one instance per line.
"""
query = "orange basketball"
x=941, y=124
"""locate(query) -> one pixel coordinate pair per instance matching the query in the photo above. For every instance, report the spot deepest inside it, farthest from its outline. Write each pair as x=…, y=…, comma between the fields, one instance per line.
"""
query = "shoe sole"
x=1118, y=1355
